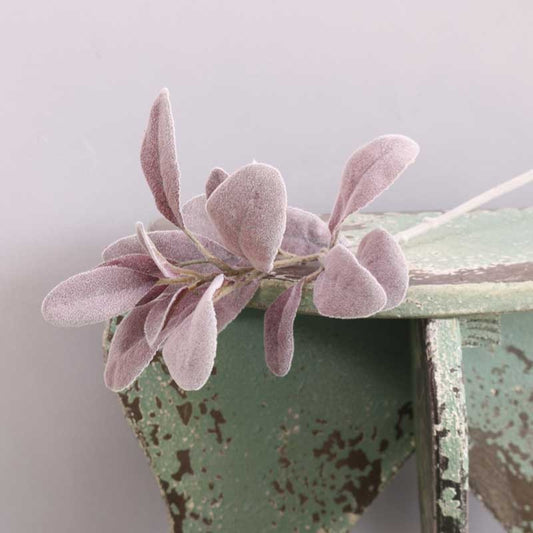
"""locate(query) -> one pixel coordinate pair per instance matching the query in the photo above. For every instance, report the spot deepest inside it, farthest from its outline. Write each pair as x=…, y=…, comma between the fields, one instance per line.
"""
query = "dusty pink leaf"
x=346, y=289
x=190, y=349
x=229, y=307
x=278, y=330
x=95, y=296
x=158, y=314
x=152, y=294
x=370, y=171
x=216, y=177
x=197, y=220
x=174, y=245
x=166, y=267
x=159, y=159
x=129, y=353
x=162, y=224
x=305, y=232
x=383, y=257
x=139, y=262
x=249, y=211
x=180, y=310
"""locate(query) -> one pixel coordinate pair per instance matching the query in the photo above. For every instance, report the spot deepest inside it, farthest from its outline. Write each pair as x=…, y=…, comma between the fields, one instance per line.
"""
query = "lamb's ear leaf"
x=158, y=314
x=174, y=245
x=216, y=177
x=305, y=232
x=278, y=330
x=95, y=296
x=129, y=353
x=190, y=350
x=229, y=306
x=346, y=289
x=159, y=159
x=139, y=262
x=383, y=257
x=165, y=266
x=371, y=170
x=197, y=220
x=249, y=211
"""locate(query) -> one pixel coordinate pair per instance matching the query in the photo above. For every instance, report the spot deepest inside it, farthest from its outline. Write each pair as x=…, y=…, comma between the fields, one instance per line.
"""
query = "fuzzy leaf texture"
x=249, y=211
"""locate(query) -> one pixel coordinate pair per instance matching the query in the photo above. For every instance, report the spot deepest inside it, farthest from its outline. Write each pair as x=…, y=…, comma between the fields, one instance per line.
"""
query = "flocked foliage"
x=193, y=272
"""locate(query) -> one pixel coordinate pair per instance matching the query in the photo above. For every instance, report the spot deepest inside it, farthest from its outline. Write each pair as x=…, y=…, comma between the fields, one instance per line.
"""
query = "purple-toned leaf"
x=129, y=353
x=190, y=349
x=346, y=289
x=159, y=159
x=216, y=177
x=197, y=220
x=370, y=171
x=162, y=224
x=95, y=296
x=383, y=257
x=139, y=262
x=305, y=232
x=166, y=267
x=180, y=310
x=249, y=211
x=152, y=294
x=229, y=307
x=174, y=245
x=158, y=314
x=278, y=330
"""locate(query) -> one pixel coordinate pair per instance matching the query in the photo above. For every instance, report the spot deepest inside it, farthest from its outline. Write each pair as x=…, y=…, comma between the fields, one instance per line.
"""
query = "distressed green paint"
x=499, y=386
x=481, y=331
x=441, y=427
x=308, y=452
x=479, y=263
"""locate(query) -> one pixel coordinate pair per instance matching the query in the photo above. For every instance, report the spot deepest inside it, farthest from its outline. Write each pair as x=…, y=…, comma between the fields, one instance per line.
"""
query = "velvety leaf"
x=159, y=159
x=152, y=294
x=190, y=349
x=95, y=296
x=278, y=330
x=129, y=353
x=139, y=262
x=180, y=310
x=346, y=289
x=305, y=233
x=370, y=171
x=216, y=177
x=167, y=269
x=174, y=245
x=157, y=317
x=162, y=224
x=249, y=211
x=197, y=220
x=229, y=307
x=383, y=257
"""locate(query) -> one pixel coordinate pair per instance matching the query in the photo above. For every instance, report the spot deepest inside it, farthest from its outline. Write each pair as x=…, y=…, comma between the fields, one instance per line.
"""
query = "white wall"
x=298, y=84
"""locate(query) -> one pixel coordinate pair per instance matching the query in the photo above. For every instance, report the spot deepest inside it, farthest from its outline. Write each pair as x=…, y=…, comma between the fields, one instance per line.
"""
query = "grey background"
x=298, y=84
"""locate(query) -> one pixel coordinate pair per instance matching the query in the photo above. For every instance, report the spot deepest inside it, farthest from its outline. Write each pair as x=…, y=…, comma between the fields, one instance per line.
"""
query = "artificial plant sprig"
x=188, y=277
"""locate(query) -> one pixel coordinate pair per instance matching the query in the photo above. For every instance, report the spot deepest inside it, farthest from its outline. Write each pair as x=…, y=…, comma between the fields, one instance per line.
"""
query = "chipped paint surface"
x=499, y=387
x=308, y=452
x=442, y=436
x=479, y=263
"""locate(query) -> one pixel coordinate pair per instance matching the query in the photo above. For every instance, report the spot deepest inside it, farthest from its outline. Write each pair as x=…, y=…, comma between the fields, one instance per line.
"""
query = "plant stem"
x=221, y=265
x=473, y=203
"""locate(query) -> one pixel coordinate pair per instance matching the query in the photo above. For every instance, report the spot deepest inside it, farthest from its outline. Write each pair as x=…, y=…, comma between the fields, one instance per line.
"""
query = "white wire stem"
x=434, y=222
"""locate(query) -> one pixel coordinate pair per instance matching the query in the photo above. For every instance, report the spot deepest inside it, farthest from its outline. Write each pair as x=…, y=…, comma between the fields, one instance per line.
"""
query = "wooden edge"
x=428, y=301
x=441, y=432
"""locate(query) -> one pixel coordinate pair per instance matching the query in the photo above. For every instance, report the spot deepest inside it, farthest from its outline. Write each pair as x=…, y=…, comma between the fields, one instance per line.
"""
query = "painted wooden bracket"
x=440, y=426
x=311, y=451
